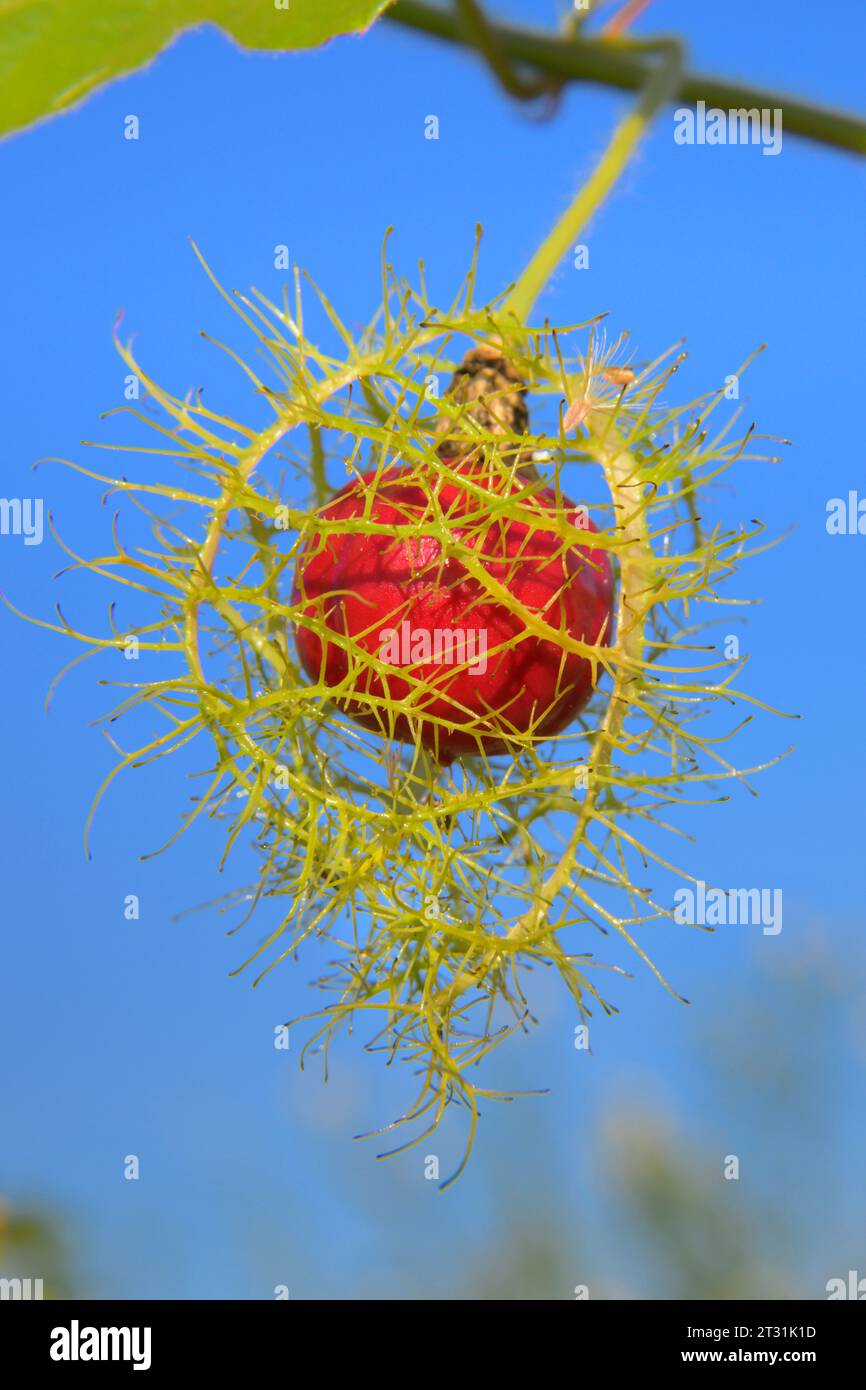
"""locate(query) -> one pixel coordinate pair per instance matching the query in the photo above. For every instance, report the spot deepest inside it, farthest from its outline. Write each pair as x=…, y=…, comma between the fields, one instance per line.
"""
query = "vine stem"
x=623, y=143
x=622, y=64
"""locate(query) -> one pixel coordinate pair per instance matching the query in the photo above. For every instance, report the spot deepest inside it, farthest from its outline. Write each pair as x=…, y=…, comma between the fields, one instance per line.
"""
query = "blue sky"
x=127, y=1037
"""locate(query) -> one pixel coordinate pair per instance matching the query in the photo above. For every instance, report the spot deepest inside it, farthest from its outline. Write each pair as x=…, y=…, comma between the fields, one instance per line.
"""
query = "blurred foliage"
x=33, y=1246
x=650, y=1213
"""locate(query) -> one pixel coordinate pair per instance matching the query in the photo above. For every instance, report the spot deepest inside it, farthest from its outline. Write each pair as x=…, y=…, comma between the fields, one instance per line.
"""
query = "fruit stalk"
x=660, y=87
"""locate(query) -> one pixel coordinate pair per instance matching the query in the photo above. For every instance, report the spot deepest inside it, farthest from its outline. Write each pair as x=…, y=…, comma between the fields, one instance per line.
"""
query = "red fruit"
x=399, y=598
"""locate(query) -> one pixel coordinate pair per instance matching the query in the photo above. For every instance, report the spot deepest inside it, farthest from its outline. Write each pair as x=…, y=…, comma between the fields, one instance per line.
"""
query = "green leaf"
x=53, y=53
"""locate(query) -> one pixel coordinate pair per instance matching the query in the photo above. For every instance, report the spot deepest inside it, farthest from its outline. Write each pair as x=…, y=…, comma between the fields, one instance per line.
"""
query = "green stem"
x=662, y=82
x=480, y=34
x=623, y=64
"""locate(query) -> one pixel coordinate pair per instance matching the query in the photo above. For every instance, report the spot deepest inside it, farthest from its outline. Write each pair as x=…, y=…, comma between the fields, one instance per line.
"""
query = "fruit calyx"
x=493, y=391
